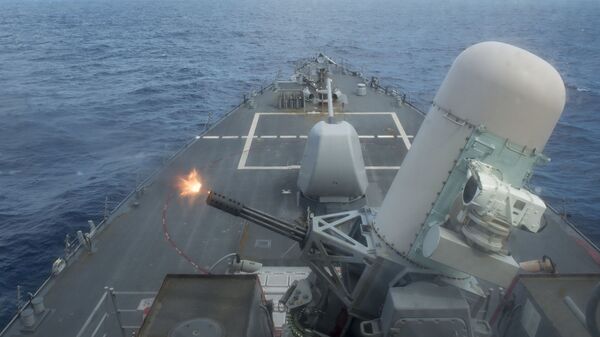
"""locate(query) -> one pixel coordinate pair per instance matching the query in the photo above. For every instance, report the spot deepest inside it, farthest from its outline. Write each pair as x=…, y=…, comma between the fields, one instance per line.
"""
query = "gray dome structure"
x=332, y=168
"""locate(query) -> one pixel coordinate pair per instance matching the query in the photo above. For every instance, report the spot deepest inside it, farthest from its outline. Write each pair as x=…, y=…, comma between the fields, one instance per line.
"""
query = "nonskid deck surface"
x=252, y=155
x=132, y=253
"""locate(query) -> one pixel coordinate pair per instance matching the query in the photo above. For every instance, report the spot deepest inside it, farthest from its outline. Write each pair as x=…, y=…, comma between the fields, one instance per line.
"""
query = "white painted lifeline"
x=401, y=129
x=296, y=167
x=289, y=167
x=248, y=142
x=382, y=167
x=299, y=136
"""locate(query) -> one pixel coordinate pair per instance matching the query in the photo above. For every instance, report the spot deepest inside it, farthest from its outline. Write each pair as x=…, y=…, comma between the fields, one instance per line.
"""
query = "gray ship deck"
x=253, y=156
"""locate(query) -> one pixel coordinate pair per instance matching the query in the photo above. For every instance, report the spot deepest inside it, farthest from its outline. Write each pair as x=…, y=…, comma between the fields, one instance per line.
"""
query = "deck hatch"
x=185, y=301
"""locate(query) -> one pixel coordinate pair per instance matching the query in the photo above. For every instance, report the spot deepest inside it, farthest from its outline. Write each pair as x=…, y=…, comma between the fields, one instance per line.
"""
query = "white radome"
x=510, y=92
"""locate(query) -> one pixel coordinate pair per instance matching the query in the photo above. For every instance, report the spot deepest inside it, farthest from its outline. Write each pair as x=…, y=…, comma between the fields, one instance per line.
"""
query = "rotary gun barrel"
x=263, y=219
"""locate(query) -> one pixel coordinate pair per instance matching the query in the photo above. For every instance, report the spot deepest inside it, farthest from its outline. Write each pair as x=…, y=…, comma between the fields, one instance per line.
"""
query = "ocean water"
x=95, y=94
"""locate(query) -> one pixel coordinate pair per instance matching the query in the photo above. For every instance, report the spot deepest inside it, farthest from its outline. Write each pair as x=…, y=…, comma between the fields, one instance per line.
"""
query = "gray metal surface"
x=208, y=305
x=131, y=253
x=423, y=309
x=540, y=308
x=332, y=167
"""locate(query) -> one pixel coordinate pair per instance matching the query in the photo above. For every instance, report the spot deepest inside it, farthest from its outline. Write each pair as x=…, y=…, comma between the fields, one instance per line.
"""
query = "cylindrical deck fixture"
x=361, y=89
x=27, y=318
x=38, y=304
x=543, y=265
x=508, y=91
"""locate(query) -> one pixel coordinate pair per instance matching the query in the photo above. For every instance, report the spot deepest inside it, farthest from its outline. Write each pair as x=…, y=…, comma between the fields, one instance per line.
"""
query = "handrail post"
x=113, y=301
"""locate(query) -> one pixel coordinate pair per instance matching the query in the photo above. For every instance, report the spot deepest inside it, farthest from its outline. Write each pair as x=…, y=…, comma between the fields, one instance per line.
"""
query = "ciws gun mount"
x=262, y=219
x=408, y=267
x=355, y=275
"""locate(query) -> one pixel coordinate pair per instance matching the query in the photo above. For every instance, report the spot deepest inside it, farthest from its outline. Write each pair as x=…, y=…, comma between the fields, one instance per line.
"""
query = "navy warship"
x=328, y=205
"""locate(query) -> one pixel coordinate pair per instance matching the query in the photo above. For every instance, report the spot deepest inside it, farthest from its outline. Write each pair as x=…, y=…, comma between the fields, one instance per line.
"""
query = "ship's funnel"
x=492, y=86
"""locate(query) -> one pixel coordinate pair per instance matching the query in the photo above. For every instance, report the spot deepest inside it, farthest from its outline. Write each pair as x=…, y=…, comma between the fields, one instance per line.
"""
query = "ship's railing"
x=564, y=218
x=117, y=313
x=73, y=247
x=342, y=64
